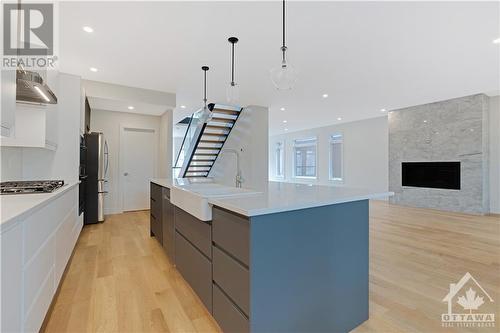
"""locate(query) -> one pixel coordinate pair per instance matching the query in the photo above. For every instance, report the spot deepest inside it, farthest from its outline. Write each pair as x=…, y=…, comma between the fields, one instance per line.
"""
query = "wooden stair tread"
x=231, y=112
x=208, y=148
x=214, y=134
x=223, y=120
x=218, y=127
x=211, y=141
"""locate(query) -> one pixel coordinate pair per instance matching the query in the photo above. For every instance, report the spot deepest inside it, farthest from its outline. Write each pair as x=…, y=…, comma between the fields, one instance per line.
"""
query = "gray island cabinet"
x=291, y=259
x=296, y=271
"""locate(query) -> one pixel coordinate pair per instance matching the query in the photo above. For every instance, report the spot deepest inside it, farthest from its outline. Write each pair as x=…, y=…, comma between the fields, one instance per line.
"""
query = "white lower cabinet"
x=11, y=243
x=29, y=281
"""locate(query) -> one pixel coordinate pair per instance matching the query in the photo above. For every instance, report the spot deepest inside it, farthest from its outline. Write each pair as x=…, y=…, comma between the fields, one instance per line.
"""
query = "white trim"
x=283, y=162
x=330, y=141
x=120, y=155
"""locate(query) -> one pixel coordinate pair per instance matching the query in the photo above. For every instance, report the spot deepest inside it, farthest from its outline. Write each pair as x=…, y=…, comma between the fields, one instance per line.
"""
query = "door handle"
x=125, y=173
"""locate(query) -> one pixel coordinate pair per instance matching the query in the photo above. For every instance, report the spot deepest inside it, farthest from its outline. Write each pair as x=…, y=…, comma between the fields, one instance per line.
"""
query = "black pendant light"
x=284, y=76
x=233, y=90
x=206, y=113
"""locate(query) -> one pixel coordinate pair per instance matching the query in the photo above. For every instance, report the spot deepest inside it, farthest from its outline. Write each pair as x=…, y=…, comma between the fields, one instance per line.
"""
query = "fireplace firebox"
x=442, y=175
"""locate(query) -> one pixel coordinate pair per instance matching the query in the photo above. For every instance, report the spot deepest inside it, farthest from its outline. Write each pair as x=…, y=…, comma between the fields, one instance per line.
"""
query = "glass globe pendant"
x=233, y=90
x=206, y=114
x=284, y=76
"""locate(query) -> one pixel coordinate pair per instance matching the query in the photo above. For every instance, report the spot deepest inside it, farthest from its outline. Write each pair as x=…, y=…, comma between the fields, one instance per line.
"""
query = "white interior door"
x=138, y=151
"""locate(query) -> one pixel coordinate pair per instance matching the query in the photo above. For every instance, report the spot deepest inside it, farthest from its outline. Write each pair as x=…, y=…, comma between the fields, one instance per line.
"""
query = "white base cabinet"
x=35, y=252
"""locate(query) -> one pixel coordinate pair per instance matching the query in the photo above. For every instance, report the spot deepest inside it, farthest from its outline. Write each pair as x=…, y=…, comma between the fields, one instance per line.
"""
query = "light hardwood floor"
x=119, y=280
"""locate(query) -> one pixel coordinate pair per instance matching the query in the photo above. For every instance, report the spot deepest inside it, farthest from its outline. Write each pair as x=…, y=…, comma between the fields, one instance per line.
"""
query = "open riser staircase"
x=204, y=140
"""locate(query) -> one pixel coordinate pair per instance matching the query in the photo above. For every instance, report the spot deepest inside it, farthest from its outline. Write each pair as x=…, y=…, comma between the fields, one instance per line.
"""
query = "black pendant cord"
x=232, y=65
x=283, y=48
x=205, y=69
x=232, y=40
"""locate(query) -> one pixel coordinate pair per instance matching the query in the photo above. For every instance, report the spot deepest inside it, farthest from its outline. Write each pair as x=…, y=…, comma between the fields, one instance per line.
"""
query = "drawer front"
x=38, y=226
x=198, y=232
x=156, y=228
x=155, y=192
x=168, y=229
x=229, y=318
x=195, y=268
x=233, y=278
x=231, y=232
x=155, y=207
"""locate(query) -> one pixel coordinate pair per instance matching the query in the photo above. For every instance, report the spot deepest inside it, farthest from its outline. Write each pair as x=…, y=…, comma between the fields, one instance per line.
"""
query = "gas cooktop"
x=27, y=187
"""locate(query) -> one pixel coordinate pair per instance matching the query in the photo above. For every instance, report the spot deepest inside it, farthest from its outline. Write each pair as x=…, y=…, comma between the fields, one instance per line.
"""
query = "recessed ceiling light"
x=339, y=118
x=88, y=29
x=425, y=121
x=286, y=129
x=496, y=41
x=130, y=107
x=284, y=121
x=93, y=69
x=183, y=106
x=383, y=110
x=282, y=109
x=325, y=95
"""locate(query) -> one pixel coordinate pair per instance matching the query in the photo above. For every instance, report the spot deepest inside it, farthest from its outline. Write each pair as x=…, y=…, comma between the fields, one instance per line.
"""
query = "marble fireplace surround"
x=451, y=130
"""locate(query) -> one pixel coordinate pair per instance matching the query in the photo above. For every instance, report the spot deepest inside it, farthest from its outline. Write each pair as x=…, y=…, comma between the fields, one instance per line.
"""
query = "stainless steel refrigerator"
x=97, y=162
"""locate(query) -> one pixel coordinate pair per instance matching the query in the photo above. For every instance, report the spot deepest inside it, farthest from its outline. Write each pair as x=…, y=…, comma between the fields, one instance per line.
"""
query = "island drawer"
x=156, y=197
x=233, y=278
x=231, y=233
x=227, y=315
x=155, y=191
x=199, y=233
x=195, y=268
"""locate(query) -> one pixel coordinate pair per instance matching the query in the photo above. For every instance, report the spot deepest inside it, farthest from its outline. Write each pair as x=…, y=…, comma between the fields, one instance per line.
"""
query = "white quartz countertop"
x=17, y=206
x=282, y=197
x=165, y=182
x=279, y=196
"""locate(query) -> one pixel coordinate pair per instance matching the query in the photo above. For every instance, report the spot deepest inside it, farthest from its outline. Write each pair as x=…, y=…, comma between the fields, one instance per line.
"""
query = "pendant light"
x=206, y=114
x=233, y=90
x=284, y=76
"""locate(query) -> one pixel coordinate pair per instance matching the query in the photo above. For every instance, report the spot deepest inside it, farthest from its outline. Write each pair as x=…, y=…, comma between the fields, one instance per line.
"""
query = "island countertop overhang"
x=284, y=197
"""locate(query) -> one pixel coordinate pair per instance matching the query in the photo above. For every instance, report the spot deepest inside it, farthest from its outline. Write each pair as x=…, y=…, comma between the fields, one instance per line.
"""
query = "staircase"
x=204, y=140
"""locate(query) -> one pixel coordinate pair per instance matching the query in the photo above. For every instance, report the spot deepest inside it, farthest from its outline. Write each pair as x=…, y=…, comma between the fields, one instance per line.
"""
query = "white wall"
x=165, y=146
x=250, y=138
x=109, y=123
x=11, y=163
x=494, y=130
x=365, y=155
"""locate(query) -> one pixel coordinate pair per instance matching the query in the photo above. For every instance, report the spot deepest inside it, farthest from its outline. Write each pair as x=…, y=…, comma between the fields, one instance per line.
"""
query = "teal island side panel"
x=309, y=269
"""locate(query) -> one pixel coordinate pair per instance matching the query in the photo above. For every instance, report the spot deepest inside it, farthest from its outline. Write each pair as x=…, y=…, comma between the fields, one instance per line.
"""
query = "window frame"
x=333, y=139
x=279, y=145
x=315, y=138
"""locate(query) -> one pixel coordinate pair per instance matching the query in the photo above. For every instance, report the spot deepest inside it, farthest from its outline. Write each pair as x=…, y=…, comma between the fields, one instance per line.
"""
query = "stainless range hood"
x=30, y=88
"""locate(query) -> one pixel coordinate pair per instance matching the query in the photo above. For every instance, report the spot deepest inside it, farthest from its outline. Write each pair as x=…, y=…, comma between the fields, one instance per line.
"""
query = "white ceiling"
x=364, y=55
x=98, y=103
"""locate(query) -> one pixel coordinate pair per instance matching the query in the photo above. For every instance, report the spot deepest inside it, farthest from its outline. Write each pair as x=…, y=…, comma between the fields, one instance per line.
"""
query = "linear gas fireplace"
x=443, y=175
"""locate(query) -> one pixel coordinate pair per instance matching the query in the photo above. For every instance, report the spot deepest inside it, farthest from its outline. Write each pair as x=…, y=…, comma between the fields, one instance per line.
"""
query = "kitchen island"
x=293, y=258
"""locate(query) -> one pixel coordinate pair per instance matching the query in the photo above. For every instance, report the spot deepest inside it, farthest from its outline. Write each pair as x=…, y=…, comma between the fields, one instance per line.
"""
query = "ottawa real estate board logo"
x=28, y=35
x=466, y=299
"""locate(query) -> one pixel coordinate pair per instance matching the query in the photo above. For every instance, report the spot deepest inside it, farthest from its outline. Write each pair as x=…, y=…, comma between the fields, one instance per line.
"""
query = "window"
x=304, y=151
x=336, y=157
x=280, y=159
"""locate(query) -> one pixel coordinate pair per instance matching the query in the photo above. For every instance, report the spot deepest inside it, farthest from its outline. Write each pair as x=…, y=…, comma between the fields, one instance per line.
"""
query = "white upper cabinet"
x=8, y=101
